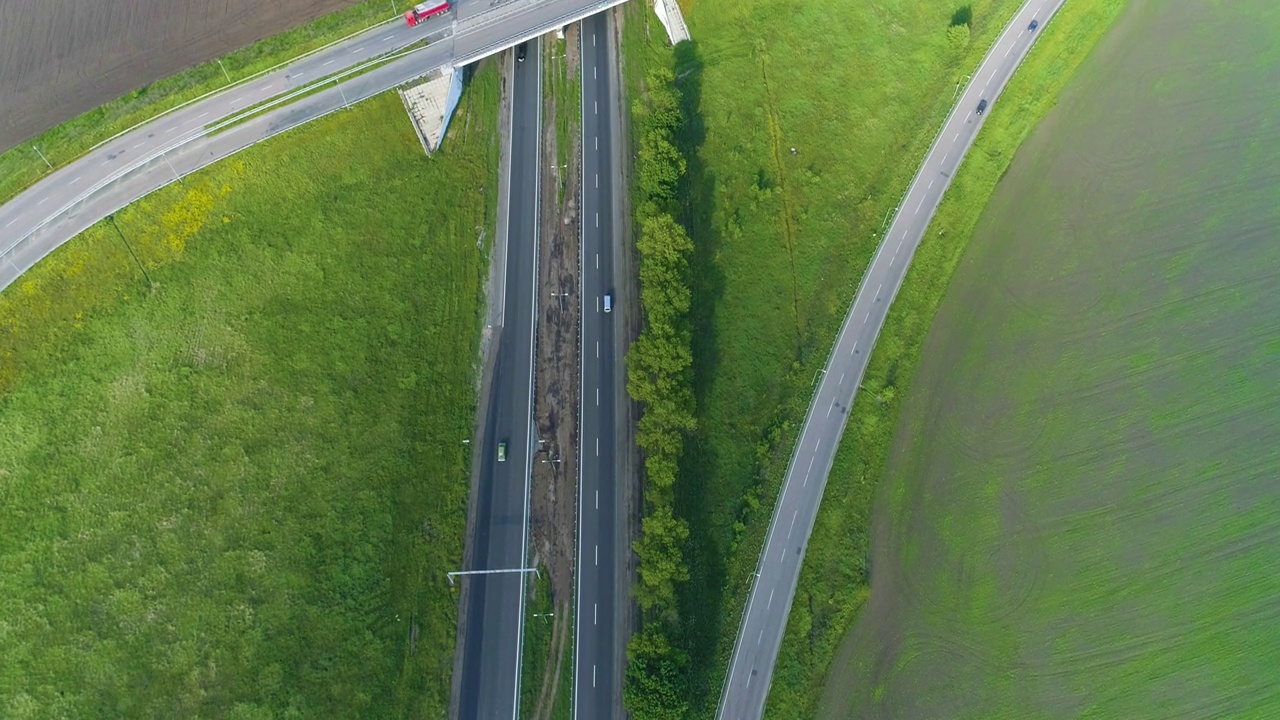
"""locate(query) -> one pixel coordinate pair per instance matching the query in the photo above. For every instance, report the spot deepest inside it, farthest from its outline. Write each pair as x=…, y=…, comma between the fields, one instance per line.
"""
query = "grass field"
x=236, y=494
x=1079, y=513
x=21, y=166
x=858, y=91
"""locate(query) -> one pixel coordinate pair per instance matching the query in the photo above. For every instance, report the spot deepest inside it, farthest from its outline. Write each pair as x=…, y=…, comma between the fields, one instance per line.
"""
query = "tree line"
x=660, y=377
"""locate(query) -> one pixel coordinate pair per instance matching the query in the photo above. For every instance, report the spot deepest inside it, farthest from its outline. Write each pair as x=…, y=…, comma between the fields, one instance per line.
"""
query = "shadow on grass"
x=701, y=598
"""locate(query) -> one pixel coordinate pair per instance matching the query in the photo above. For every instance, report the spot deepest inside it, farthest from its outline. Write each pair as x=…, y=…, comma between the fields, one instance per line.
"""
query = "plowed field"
x=60, y=58
x=1082, y=515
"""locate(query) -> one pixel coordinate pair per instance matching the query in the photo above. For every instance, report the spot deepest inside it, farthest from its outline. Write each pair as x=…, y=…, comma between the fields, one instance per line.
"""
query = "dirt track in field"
x=60, y=58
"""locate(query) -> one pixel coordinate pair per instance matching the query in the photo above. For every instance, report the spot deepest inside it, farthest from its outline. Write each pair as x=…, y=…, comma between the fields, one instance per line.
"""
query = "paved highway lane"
x=490, y=686
x=124, y=169
x=761, y=630
x=599, y=649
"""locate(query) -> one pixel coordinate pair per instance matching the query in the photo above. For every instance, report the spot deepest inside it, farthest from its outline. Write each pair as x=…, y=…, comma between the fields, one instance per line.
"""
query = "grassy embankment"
x=237, y=494
x=832, y=588
x=782, y=239
x=20, y=167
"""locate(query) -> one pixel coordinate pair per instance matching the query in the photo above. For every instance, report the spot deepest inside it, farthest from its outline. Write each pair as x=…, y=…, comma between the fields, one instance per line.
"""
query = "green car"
x=502, y=452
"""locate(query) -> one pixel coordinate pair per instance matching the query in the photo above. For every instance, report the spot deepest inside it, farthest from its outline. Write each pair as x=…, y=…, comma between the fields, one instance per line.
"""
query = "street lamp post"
x=225, y=74
x=42, y=157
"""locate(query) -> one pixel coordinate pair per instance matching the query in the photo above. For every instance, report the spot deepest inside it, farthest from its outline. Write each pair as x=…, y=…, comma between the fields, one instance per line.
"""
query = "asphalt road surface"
x=118, y=172
x=760, y=632
x=599, y=650
x=490, y=686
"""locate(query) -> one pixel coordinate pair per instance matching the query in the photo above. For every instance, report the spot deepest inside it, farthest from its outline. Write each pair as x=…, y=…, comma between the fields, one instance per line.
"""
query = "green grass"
x=833, y=580
x=568, y=98
x=20, y=167
x=859, y=91
x=237, y=495
x=537, y=643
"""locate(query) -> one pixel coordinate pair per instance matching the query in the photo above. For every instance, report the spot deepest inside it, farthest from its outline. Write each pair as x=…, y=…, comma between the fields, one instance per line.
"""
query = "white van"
x=608, y=302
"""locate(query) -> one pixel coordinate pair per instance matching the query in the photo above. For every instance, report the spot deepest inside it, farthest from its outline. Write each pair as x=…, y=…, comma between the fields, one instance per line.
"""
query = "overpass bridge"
x=197, y=134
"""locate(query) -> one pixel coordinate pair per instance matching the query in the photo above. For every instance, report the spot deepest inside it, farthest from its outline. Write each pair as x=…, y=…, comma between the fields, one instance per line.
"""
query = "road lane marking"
x=919, y=205
x=597, y=349
x=597, y=143
x=171, y=129
x=595, y=614
x=327, y=63
x=931, y=184
x=387, y=38
x=1006, y=52
x=597, y=447
x=854, y=350
x=831, y=407
x=841, y=379
x=597, y=499
x=766, y=607
x=878, y=287
x=758, y=639
x=206, y=112
x=73, y=182
x=597, y=264
x=359, y=49
x=596, y=104
x=748, y=680
x=597, y=554
x=817, y=445
x=593, y=39
x=597, y=179
x=593, y=676
x=958, y=134
x=593, y=72
x=944, y=157
x=597, y=397
x=597, y=219
x=144, y=142
x=11, y=222
x=793, y=527
x=46, y=197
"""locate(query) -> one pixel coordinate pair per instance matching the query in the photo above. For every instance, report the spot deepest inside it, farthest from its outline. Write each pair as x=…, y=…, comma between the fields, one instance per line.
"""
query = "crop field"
x=76, y=72
x=233, y=490
x=782, y=238
x=1080, y=516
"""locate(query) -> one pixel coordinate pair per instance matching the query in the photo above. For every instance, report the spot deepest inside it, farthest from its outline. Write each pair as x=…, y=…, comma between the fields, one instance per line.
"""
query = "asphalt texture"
x=764, y=622
x=490, y=686
x=128, y=167
x=600, y=644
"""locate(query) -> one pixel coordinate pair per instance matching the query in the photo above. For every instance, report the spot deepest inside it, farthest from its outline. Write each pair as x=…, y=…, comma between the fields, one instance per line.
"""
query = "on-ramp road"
x=490, y=683
x=760, y=632
x=599, y=644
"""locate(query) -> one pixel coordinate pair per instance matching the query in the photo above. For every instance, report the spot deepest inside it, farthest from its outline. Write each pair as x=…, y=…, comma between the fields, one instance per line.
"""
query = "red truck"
x=426, y=10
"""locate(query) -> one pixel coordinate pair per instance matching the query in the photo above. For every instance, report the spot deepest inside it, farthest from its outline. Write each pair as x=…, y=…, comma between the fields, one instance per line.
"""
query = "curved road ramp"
x=761, y=630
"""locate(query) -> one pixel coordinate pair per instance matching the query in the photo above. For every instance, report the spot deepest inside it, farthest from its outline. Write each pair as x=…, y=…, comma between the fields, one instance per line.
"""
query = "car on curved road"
x=982, y=106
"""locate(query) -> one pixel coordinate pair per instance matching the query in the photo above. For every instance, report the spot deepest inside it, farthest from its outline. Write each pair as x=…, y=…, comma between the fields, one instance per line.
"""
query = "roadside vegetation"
x=834, y=578
x=801, y=132
x=234, y=490
x=660, y=378
x=22, y=166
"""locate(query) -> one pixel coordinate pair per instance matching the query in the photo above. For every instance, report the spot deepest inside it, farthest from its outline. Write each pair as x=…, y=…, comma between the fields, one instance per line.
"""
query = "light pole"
x=176, y=176
x=42, y=157
x=345, y=104
x=225, y=74
x=112, y=219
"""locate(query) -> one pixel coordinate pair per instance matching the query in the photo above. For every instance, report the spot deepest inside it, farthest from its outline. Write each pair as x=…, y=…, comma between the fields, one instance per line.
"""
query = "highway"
x=118, y=172
x=600, y=642
x=494, y=614
x=764, y=622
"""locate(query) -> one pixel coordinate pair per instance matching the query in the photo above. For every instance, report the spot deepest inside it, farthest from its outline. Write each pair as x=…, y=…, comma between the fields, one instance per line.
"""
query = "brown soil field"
x=60, y=58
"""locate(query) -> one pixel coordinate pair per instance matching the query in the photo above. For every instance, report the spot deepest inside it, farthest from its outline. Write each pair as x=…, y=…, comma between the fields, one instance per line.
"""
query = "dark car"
x=982, y=106
x=1032, y=27
x=522, y=51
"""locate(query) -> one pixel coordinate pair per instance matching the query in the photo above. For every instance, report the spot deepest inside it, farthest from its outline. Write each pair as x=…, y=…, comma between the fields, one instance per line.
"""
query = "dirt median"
x=61, y=58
